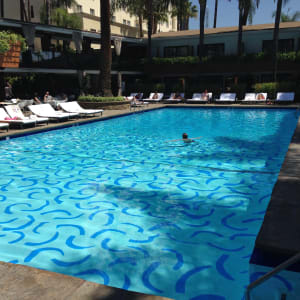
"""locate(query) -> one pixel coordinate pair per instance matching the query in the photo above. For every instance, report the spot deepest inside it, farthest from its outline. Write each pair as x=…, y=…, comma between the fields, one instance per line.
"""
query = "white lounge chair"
x=171, y=98
x=159, y=97
x=285, y=97
x=74, y=107
x=132, y=95
x=14, y=111
x=47, y=111
x=255, y=98
x=5, y=118
x=227, y=97
x=4, y=126
x=198, y=97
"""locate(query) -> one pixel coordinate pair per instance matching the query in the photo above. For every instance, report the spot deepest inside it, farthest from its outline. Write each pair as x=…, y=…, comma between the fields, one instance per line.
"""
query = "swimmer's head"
x=184, y=136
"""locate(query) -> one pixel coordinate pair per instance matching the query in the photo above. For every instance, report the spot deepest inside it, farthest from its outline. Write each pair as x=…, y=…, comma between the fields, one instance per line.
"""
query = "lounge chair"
x=159, y=97
x=255, y=98
x=198, y=97
x=285, y=97
x=47, y=111
x=5, y=118
x=132, y=95
x=4, y=126
x=74, y=107
x=171, y=98
x=14, y=111
x=227, y=97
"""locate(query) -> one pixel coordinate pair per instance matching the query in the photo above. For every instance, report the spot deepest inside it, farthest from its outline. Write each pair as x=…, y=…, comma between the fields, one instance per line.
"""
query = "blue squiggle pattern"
x=112, y=202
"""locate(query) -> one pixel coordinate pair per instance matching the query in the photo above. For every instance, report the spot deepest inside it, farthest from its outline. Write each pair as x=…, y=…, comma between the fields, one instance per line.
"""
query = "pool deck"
x=277, y=237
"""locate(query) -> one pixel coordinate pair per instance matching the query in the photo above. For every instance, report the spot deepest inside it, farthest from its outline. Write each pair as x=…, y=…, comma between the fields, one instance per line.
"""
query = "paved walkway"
x=22, y=282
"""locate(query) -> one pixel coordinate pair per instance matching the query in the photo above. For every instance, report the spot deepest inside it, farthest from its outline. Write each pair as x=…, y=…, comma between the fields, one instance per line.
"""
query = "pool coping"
x=32, y=282
x=279, y=235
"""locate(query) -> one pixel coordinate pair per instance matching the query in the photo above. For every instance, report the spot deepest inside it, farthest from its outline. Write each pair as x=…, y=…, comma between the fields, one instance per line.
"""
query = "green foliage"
x=176, y=60
x=91, y=98
x=8, y=38
x=261, y=56
x=274, y=87
x=60, y=17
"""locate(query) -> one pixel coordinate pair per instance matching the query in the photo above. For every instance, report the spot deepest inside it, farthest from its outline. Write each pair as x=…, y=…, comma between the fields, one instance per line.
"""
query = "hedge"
x=272, y=88
x=91, y=98
x=261, y=56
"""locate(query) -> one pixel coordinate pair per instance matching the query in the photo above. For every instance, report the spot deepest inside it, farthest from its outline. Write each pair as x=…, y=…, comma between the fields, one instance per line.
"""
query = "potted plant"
x=11, y=45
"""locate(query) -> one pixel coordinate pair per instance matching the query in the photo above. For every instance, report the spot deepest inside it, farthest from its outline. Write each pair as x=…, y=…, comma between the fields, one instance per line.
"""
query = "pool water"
x=119, y=203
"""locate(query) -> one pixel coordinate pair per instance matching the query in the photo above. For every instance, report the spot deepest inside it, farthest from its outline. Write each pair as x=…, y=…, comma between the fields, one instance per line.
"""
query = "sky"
x=228, y=12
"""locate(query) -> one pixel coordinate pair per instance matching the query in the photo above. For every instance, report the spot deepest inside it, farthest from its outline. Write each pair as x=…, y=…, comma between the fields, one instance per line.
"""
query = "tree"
x=106, y=56
x=246, y=10
x=184, y=11
x=286, y=17
x=202, y=4
x=61, y=17
x=216, y=13
x=150, y=6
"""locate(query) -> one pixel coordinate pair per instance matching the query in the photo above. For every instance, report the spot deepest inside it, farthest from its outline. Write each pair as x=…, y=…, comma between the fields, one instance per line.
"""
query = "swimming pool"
x=116, y=203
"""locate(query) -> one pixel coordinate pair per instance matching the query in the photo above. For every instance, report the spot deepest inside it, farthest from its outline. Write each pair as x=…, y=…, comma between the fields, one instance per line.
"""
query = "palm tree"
x=246, y=8
x=275, y=36
x=106, y=56
x=216, y=14
x=202, y=4
x=286, y=17
x=184, y=11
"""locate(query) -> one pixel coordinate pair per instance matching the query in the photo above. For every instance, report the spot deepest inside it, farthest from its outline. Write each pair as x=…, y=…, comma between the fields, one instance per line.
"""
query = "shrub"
x=7, y=38
x=274, y=87
x=91, y=98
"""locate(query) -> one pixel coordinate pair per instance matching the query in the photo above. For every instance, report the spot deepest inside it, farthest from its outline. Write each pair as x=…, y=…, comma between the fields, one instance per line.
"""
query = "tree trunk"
x=275, y=39
x=141, y=25
x=155, y=25
x=47, y=12
x=202, y=25
x=105, y=60
x=216, y=13
x=240, y=34
x=23, y=11
x=150, y=24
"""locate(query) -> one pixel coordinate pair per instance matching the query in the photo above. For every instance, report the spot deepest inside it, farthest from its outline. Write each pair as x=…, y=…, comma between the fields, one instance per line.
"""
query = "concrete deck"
x=277, y=235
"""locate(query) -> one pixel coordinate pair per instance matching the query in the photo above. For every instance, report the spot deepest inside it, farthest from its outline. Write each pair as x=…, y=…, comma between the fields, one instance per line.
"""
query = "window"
x=128, y=23
x=124, y=21
x=79, y=8
x=284, y=45
x=213, y=50
x=92, y=11
x=113, y=18
x=178, y=51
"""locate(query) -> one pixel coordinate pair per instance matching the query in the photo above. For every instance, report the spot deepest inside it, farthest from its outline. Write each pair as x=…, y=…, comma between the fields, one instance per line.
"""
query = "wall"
x=253, y=40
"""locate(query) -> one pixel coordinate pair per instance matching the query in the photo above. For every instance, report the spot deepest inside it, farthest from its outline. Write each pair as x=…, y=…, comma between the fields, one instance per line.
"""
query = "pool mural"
x=119, y=203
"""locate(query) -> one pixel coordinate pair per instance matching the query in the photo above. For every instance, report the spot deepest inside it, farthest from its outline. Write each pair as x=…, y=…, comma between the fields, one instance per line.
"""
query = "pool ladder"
x=273, y=272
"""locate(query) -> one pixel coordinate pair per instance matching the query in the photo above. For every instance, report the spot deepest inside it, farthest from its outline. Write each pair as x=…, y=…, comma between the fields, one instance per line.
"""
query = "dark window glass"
x=284, y=45
x=178, y=51
x=213, y=50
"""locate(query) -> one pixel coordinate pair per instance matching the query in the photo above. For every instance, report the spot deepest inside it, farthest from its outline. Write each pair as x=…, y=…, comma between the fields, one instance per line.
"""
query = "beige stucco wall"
x=90, y=23
x=12, y=9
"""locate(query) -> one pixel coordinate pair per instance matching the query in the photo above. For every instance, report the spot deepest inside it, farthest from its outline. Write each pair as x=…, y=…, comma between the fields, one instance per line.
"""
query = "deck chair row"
x=208, y=97
x=42, y=113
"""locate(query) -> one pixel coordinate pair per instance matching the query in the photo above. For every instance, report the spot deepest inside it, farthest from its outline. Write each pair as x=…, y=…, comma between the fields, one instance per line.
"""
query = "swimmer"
x=186, y=139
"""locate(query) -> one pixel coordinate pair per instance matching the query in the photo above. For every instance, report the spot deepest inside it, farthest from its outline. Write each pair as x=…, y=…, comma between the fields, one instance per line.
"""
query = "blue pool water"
x=113, y=202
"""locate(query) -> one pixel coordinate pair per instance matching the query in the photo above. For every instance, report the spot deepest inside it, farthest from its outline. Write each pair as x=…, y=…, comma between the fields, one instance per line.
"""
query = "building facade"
x=122, y=23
